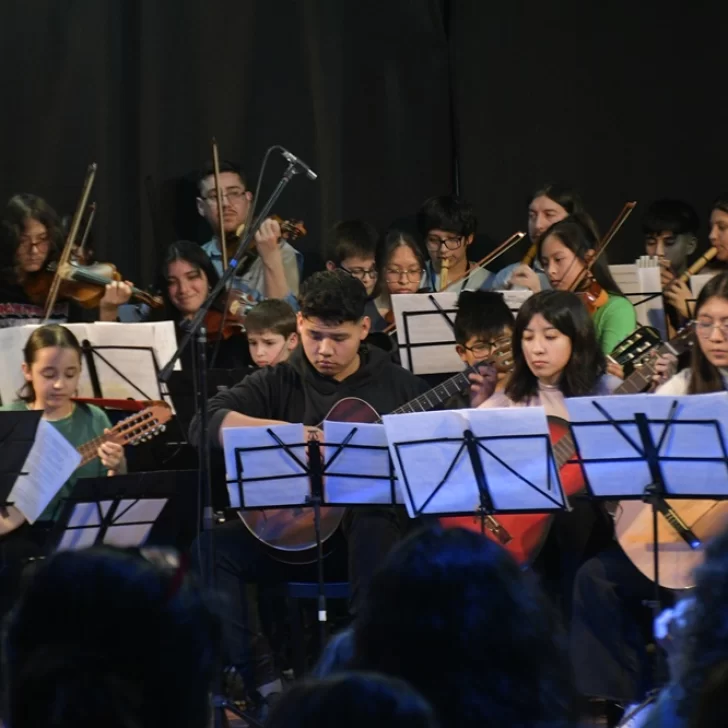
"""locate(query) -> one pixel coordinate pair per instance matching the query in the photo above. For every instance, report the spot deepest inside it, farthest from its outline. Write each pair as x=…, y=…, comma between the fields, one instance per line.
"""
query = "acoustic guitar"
x=288, y=534
x=138, y=428
x=683, y=525
x=523, y=535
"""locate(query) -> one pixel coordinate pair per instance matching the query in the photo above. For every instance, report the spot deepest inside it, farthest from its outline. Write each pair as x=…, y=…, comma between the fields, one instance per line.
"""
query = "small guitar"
x=682, y=522
x=131, y=431
x=524, y=535
x=630, y=352
x=289, y=533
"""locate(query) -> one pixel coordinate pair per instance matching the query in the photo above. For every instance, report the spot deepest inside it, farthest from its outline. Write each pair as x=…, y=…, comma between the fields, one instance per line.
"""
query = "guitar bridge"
x=680, y=527
x=497, y=530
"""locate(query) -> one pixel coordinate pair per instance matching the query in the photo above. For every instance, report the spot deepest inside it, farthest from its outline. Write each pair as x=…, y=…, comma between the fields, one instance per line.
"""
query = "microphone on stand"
x=293, y=159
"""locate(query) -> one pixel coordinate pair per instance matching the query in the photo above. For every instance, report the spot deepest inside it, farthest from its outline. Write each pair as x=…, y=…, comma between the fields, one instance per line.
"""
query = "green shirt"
x=85, y=423
x=614, y=321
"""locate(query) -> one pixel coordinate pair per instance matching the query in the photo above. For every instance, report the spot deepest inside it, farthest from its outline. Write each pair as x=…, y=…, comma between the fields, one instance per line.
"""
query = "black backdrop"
x=383, y=99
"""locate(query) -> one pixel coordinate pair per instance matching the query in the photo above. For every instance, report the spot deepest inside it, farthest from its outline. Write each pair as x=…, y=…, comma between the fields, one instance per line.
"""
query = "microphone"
x=293, y=159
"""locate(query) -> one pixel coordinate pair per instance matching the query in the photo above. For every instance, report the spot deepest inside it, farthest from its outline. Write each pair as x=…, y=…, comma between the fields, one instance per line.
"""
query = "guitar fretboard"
x=437, y=395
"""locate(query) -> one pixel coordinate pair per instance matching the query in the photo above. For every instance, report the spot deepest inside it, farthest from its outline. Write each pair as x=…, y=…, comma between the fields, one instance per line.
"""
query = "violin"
x=586, y=286
x=290, y=230
x=83, y=284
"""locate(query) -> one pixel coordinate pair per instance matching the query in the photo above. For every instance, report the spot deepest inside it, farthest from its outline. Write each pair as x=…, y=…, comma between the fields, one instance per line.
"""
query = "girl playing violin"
x=565, y=251
x=31, y=237
x=188, y=276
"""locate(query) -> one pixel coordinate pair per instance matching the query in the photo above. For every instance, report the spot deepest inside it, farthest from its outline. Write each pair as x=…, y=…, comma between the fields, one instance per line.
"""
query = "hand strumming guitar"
x=482, y=384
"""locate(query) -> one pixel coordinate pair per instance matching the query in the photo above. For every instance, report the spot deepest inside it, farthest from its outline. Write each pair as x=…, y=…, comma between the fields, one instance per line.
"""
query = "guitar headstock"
x=501, y=357
x=144, y=425
x=684, y=339
x=632, y=349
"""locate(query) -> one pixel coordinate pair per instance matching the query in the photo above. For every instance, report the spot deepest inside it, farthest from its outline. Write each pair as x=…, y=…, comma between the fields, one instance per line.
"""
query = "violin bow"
x=220, y=215
x=602, y=244
x=496, y=253
x=89, y=223
x=72, y=234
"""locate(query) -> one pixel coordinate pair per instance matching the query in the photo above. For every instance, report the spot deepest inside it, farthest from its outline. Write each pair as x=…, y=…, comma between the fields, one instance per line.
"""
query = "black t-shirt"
x=295, y=392
x=16, y=309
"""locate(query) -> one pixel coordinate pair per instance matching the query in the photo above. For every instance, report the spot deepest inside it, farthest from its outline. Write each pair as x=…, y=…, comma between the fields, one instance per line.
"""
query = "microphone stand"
x=196, y=329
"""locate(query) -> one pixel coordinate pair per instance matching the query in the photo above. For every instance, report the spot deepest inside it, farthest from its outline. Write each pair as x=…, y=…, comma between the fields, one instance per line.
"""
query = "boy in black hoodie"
x=329, y=365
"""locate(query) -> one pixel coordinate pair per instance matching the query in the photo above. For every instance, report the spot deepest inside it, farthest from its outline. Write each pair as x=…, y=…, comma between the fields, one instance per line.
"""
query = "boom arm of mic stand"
x=228, y=273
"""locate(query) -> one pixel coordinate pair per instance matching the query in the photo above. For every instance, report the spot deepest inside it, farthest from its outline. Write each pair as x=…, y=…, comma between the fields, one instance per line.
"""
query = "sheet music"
x=623, y=479
x=425, y=446
x=370, y=467
x=158, y=336
x=638, y=281
x=284, y=482
x=132, y=523
x=50, y=463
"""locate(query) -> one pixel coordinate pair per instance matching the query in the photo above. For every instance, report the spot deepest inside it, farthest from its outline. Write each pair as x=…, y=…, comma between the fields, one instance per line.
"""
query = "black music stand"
x=17, y=435
x=651, y=447
x=487, y=462
x=275, y=468
x=138, y=509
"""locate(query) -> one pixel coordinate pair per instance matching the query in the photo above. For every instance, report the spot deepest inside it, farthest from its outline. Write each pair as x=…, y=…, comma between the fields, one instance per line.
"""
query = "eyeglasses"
x=361, y=273
x=434, y=242
x=395, y=274
x=28, y=243
x=705, y=329
x=232, y=194
x=483, y=348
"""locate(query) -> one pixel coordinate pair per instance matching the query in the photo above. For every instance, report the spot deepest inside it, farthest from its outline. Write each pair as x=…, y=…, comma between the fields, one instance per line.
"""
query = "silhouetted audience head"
x=454, y=615
x=352, y=700
x=107, y=638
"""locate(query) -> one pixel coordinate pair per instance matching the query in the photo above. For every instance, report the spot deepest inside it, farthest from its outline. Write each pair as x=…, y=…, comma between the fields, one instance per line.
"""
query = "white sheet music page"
x=430, y=329
x=357, y=464
x=699, y=428
x=50, y=463
x=270, y=475
x=435, y=469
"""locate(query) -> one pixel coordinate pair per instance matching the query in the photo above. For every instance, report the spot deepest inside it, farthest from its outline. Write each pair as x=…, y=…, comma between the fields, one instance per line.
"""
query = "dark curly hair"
x=705, y=640
x=18, y=211
x=332, y=296
x=448, y=213
x=567, y=313
x=105, y=637
x=453, y=614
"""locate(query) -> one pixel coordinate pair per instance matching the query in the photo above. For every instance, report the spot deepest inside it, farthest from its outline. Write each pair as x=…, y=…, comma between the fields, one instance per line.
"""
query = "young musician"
x=52, y=367
x=188, y=276
x=483, y=322
x=670, y=229
x=329, y=365
x=272, y=332
x=353, y=248
x=566, y=250
x=448, y=224
x=547, y=205
x=402, y=270
x=31, y=236
x=609, y=656
x=678, y=294
x=275, y=271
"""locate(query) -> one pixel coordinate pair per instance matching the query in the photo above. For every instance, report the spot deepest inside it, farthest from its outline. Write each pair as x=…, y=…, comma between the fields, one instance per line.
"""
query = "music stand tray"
x=127, y=511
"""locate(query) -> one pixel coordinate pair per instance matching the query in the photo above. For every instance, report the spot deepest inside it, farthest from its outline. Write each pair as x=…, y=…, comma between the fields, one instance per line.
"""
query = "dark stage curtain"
x=623, y=100
x=358, y=90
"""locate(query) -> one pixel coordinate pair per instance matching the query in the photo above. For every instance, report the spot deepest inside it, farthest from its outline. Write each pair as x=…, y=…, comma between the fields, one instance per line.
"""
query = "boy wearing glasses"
x=482, y=324
x=352, y=247
x=447, y=225
x=275, y=271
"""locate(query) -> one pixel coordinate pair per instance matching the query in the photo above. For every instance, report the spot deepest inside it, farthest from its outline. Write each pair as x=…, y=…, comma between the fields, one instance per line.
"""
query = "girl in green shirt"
x=566, y=250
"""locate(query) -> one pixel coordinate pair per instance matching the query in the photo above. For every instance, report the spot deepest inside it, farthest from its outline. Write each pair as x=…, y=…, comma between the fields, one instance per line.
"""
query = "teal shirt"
x=614, y=321
x=85, y=423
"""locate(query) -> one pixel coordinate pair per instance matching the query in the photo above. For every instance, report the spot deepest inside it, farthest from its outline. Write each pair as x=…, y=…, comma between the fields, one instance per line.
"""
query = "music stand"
x=275, y=468
x=487, y=462
x=17, y=435
x=652, y=447
x=138, y=509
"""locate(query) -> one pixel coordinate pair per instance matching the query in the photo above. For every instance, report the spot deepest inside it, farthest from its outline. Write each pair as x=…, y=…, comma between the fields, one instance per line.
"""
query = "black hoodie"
x=295, y=392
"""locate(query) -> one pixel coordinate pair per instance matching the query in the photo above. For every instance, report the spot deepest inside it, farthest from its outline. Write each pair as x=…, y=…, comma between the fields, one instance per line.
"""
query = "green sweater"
x=614, y=321
x=85, y=423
